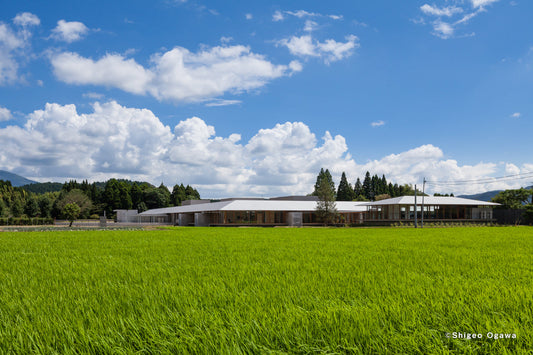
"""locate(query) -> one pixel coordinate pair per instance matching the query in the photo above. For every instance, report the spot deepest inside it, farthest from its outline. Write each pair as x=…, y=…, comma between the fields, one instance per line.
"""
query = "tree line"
x=91, y=198
x=517, y=199
x=373, y=187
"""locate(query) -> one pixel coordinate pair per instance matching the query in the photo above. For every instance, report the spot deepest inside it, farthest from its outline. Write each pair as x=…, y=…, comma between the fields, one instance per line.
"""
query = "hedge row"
x=25, y=221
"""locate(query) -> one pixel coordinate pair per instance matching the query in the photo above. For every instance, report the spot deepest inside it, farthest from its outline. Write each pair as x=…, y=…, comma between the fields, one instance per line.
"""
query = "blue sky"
x=253, y=98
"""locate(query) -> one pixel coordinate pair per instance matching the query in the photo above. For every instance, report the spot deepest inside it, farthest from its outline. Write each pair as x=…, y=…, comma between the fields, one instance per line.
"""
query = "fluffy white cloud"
x=378, y=123
x=113, y=70
x=249, y=16
x=13, y=45
x=330, y=50
x=177, y=75
x=5, y=114
x=69, y=31
x=516, y=115
x=58, y=143
x=26, y=19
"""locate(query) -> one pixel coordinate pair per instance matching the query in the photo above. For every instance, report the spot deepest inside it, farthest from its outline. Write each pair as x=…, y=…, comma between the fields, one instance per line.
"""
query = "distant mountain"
x=486, y=196
x=16, y=180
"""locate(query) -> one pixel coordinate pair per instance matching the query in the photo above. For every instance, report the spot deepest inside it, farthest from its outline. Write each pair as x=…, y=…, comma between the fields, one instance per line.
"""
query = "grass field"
x=253, y=290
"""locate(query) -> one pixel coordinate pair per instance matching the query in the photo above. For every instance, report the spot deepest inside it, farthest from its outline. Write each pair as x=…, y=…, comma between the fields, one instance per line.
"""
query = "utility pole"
x=416, y=212
x=423, y=194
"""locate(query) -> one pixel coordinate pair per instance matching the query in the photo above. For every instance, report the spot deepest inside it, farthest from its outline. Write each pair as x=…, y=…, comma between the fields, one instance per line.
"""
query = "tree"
x=326, y=208
x=357, y=188
x=528, y=213
x=345, y=191
x=17, y=208
x=513, y=199
x=368, y=191
x=77, y=197
x=382, y=197
x=45, y=205
x=323, y=177
x=178, y=195
x=31, y=208
x=164, y=191
x=155, y=198
x=136, y=195
x=71, y=211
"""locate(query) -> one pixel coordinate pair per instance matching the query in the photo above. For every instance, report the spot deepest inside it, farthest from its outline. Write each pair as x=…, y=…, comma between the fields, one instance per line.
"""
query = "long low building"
x=282, y=211
x=436, y=208
x=301, y=211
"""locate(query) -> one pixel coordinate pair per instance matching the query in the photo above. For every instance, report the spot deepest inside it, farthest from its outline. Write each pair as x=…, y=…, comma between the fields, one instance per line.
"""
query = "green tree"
x=71, y=211
x=178, y=195
x=344, y=191
x=124, y=196
x=155, y=198
x=142, y=207
x=357, y=188
x=31, y=208
x=164, y=191
x=528, y=213
x=324, y=176
x=17, y=207
x=513, y=199
x=77, y=197
x=136, y=195
x=368, y=190
x=45, y=205
x=326, y=208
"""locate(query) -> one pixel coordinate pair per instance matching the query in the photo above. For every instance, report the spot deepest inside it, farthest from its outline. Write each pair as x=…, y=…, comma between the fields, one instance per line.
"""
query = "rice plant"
x=278, y=290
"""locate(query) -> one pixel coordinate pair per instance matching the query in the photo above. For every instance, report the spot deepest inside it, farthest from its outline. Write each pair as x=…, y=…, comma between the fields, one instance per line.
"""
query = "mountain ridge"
x=16, y=180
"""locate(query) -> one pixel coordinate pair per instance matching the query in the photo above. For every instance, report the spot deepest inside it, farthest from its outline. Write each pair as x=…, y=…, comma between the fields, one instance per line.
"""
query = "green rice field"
x=268, y=290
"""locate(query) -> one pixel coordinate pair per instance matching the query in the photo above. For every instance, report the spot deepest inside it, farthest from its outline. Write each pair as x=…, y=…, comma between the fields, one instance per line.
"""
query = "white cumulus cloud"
x=5, y=114
x=177, y=75
x=58, y=143
x=14, y=44
x=69, y=31
x=330, y=50
x=26, y=19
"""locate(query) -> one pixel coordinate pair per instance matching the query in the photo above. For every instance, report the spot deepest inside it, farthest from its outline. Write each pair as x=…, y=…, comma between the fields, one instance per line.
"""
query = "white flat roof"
x=431, y=200
x=256, y=205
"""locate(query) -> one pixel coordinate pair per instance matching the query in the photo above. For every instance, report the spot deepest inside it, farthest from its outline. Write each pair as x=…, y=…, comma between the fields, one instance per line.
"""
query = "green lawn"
x=253, y=290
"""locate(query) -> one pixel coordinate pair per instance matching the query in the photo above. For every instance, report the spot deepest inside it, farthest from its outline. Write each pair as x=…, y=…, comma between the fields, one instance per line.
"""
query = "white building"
x=282, y=211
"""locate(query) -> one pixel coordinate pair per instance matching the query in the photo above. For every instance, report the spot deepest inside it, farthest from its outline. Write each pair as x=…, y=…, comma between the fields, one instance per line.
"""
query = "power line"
x=520, y=176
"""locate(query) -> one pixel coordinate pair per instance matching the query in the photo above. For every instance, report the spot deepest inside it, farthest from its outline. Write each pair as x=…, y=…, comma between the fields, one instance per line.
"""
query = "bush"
x=25, y=221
